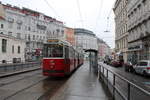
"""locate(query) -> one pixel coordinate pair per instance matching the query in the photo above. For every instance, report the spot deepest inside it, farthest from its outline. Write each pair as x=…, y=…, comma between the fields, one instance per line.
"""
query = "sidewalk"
x=15, y=72
x=82, y=85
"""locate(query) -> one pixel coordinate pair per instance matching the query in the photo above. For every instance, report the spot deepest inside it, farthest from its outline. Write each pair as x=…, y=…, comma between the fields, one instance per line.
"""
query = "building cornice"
x=122, y=36
x=116, y=4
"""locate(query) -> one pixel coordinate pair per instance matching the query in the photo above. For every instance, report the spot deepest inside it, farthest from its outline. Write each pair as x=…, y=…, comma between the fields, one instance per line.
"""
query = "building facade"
x=121, y=33
x=103, y=49
x=33, y=26
x=138, y=12
x=86, y=40
x=70, y=36
x=84, y=37
x=12, y=50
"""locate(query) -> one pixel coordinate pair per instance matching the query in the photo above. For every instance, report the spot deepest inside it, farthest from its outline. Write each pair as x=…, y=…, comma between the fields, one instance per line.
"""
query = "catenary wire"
x=50, y=6
x=79, y=10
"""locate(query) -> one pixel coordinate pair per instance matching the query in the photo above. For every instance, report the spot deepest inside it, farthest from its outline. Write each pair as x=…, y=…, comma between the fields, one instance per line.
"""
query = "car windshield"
x=142, y=63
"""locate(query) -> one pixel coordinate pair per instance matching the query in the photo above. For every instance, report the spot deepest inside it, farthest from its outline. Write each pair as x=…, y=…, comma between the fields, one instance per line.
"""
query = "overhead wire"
x=99, y=14
x=108, y=18
x=50, y=6
x=79, y=10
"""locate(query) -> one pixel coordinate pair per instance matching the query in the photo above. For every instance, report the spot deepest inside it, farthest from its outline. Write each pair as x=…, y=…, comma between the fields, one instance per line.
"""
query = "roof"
x=83, y=31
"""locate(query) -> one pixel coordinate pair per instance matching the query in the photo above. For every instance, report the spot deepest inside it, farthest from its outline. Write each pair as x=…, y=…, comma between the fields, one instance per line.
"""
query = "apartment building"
x=84, y=37
x=32, y=26
x=11, y=49
x=138, y=12
x=86, y=40
x=121, y=34
x=103, y=49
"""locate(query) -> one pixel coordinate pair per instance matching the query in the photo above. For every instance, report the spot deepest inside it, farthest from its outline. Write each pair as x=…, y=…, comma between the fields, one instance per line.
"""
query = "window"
x=53, y=50
x=19, y=27
x=33, y=37
x=144, y=2
x=2, y=25
x=29, y=38
x=13, y=49
x=142, y=64
x=62, y=32
x=4, y=45
x=58, y=30
x=1, y=32
x=18, y=49
x=29, y=28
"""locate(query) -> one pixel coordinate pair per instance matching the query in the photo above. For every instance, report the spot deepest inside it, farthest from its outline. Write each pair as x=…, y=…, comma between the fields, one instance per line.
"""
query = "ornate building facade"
x=121, y=39
x=32, y=26
x=138, y=12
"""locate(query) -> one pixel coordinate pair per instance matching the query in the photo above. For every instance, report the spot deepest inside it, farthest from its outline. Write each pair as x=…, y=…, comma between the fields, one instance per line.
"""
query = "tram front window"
x=53, y=50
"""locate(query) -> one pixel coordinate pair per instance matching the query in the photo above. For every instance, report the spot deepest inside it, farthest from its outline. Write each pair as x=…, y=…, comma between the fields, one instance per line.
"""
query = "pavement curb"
x=18, y=72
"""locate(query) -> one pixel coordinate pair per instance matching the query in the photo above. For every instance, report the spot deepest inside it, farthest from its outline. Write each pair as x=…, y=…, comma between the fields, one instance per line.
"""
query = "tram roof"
x=51, y=41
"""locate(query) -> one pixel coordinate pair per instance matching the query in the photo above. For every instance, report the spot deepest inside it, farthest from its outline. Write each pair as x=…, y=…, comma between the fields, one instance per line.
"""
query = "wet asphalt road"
x=28, y=86
x=145, y=80
x=81, y=85
x=123, y=86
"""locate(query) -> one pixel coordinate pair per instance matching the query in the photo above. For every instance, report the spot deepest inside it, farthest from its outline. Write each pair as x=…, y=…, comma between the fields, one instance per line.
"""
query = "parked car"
x=116, y=63
x=128, y=66
x=107, y=60
x=143, y=67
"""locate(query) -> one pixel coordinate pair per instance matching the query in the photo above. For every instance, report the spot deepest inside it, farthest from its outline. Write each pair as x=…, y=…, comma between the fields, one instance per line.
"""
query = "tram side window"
x=66, y=52
x=71, y=53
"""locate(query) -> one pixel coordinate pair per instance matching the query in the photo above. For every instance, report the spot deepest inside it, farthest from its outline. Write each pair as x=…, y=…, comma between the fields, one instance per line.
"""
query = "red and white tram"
x=60, y=58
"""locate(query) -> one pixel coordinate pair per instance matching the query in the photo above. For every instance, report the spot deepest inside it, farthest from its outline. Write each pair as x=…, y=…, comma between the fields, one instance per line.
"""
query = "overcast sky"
x=88, y=14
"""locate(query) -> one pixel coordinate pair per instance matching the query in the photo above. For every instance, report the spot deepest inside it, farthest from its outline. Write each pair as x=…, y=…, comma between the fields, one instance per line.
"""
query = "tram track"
x=50, y=83
x=55, y=88
x=8, y=97
x=30, y=86
x=7, y=83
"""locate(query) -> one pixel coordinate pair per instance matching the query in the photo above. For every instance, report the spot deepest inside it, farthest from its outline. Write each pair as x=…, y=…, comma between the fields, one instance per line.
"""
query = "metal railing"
x=8, y=67
x=120, y=87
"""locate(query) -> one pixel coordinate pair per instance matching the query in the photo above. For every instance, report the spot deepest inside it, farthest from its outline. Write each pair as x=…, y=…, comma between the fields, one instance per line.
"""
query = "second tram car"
x=60, y=58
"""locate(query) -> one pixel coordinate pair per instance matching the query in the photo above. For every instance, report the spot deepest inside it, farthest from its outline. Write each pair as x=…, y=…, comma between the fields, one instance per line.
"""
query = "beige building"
x=138, y=12
x=32, y=26
x=12, y=50
x=121, y=41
